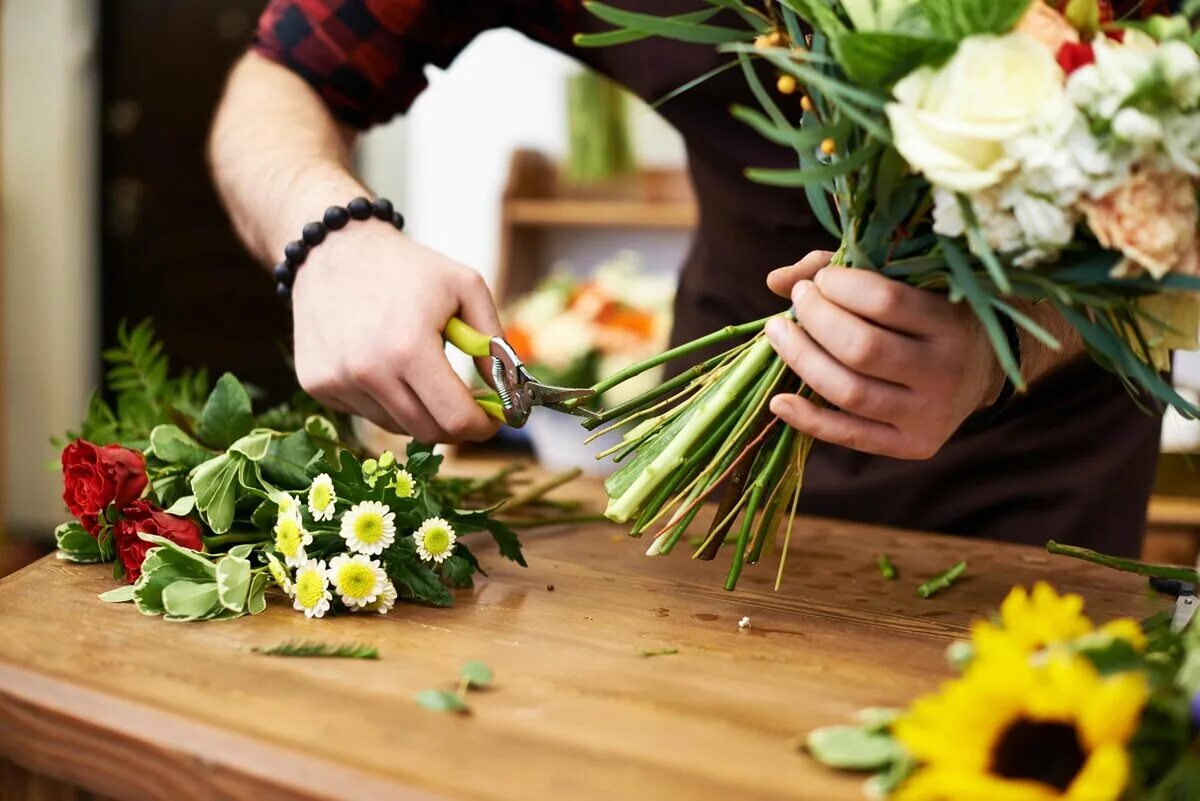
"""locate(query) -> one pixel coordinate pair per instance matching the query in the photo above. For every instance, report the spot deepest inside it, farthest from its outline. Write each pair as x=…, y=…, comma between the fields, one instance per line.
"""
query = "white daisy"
x=435, y=540
x=322, y=498
x=358, y=579
x=291, y=539
x=386, y=600
x=312, y=595
x=287, y=505
x=406, y=485
x=280, y=574
x=368, y=527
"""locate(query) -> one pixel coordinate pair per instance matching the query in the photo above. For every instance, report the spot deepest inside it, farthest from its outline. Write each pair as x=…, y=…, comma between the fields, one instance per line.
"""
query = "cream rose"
x=951, y=123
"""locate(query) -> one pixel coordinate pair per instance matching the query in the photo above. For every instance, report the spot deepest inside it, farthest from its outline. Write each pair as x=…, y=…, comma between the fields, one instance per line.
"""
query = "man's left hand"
x=902, y=367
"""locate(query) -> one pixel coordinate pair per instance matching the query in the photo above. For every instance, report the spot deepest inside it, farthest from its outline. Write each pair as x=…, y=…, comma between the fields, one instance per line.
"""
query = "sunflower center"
x=1039, y=751
x=368, y=528
x=309, y=589
x=356, y=580
x=320, y=497
x=436, y=540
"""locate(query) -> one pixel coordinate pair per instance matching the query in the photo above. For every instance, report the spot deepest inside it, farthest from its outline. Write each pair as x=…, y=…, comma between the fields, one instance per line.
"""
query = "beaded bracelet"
x=334, y=219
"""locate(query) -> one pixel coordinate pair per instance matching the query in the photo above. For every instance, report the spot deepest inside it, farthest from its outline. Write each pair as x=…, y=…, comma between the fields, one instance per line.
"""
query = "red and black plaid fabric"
x=367, y=58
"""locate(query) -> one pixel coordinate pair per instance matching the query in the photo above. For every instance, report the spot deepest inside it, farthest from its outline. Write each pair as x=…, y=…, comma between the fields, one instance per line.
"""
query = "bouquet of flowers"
x=201, y=504
x=1047, y=706
x=572, y=331
x=1004, y=153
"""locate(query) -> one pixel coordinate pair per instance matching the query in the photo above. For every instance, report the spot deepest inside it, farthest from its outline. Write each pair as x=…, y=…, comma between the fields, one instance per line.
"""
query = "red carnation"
x=95, y=477
x=144, y=517
x=1073, y=55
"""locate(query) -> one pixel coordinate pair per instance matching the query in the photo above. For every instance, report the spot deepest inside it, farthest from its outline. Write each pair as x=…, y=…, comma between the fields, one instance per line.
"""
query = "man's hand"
x=369, y=306
x=903, y=366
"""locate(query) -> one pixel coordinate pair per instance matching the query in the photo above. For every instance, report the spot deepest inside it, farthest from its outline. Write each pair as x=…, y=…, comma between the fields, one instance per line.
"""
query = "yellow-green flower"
x=435, y=540
x=279, y=574
x=291, y=539
x=312, y=595
x=321, y=498
x=368, y=527
x=1016, y=729
x=406, y=485
x=358, y=579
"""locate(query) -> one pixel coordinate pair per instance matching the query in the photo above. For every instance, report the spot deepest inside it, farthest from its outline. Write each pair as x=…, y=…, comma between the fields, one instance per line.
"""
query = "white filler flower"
x=312, y=589
x=321, y=498
x=435, y=540
x=358, y=580
x=368, y=527
x=291, y=539
x=386, y=600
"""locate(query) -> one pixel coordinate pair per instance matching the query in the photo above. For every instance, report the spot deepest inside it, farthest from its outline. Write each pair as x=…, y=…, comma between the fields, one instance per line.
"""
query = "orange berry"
x=828, y=146
x=806, y=103
x=786, y=84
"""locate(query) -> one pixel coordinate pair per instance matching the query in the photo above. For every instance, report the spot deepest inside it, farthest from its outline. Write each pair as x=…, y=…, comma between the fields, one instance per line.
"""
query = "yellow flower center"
x=278, y=573
x=404, y=485
x=436, y=540
x=288, y=538
x=321, y=496
x=309, y=589
x=369, y=527
x=355, y=580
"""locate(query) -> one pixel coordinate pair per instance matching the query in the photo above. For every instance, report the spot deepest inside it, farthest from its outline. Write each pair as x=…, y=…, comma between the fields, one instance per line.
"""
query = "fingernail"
x=799, y=290
x=820, y=276
x=776, y=328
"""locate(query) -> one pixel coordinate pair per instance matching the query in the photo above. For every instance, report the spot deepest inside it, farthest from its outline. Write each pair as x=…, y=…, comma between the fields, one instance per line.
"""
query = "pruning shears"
x=1186, y=603
x=519, y=392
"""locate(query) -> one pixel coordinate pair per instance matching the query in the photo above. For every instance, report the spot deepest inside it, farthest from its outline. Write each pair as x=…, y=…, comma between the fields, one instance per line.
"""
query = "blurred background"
x=568, y=196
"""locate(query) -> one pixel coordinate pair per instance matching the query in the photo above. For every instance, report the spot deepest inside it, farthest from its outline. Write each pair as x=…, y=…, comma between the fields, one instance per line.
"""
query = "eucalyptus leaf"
x=170, y=443
x=233, y=582
x=852, y=747
x=227, y=414
x=76, y=545
x=120, y=595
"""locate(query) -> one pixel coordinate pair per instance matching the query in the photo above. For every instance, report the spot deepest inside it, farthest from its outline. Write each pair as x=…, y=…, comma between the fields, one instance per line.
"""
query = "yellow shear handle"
x=479, y=346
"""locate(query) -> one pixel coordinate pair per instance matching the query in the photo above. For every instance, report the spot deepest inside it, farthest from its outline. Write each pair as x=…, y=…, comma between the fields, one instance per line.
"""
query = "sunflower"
x=1012, y=729
x=1032, y=621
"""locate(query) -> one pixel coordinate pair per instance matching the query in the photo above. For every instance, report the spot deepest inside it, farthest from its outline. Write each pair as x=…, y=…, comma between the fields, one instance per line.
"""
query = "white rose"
x=1137, y=128
x=951, y=123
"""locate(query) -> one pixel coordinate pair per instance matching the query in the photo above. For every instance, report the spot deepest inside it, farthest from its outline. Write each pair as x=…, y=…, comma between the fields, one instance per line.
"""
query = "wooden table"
x=130, y=707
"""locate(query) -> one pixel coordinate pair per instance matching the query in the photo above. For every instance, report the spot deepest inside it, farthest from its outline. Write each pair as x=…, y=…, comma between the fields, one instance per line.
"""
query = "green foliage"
x=476, y=674
x=955, y=19
x=227, y=414
x=442, y=701
x=321, y=650
x=684, y=30
x=880, y=58
x=852, y=747
x=472, y=675
x=76, y=545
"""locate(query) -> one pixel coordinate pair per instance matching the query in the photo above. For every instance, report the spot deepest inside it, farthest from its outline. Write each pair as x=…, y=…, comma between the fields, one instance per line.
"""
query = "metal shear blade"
x=519, y=391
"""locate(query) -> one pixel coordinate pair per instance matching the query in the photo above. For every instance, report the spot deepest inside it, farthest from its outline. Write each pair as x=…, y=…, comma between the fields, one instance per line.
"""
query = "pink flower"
x=1047, y=26
x=1151, y=219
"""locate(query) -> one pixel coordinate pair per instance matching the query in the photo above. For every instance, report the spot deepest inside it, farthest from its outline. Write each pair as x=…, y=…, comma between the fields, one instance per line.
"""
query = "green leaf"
x=182, y=507
x=75, y=544
x=441, y=701
x=189, y=600
x=819, y=14
x=420, y=582
x=507, y=540
x=171, y=444
x=287, y=460
x=625, y=36
x=233, y=582
x=256, y=601
x=476, y=673
x=980, y=301
x=120, y=595
x=226, y=415
x=813, y=175
x=667, y=27
x=852, y=748
x=215, y=485
x=957, y=19
x=254, y=445
x=458, y=570
x=879, y=59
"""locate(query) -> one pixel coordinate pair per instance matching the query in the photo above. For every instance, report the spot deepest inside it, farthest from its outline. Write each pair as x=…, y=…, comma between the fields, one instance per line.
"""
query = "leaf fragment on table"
x=476, y=673
x=942, y=580
x=852, y=747
x=886, y=568
x=321, y=650
x=658, y=651
x=441, y=701
x=122, y=594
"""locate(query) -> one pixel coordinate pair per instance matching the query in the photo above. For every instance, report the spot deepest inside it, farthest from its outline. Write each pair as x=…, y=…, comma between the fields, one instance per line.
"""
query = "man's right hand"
x=369, y=305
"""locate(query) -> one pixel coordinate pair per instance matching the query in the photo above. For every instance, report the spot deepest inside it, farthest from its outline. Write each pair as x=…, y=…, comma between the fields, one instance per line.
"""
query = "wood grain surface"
x=135, y=708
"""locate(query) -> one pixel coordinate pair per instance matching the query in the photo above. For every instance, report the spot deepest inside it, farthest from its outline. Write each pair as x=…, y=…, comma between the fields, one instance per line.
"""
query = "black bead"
x=284, y=273
x=336, y=218
x=382, y=208
x=295, y=252
x=398, y=220
x=359, y=208
x=313, y=234
x=283, y=290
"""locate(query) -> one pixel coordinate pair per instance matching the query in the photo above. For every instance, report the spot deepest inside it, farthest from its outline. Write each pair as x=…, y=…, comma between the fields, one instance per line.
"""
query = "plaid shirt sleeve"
x=367, y=58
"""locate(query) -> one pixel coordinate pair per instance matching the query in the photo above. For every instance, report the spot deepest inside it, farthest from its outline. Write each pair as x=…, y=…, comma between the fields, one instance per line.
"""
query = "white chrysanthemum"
x=280, y=575
x=287, y=504
x=312, y=595
x=368, y=527
x=321, y=498
x=435, y=540
x=406, y=485
x=358, y=580
x=291, y=539
x=386, y=600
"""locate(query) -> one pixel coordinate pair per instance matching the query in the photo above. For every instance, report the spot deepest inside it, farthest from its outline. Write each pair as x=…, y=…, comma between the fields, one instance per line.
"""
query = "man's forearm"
x=278, y=157
x=1037, y=360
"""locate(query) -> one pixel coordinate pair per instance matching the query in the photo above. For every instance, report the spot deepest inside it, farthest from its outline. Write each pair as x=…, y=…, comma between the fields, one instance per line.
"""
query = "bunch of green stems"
x=708, y=429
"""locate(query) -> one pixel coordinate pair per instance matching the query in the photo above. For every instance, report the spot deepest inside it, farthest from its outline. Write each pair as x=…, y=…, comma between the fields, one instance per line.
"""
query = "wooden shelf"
x=583, y=213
